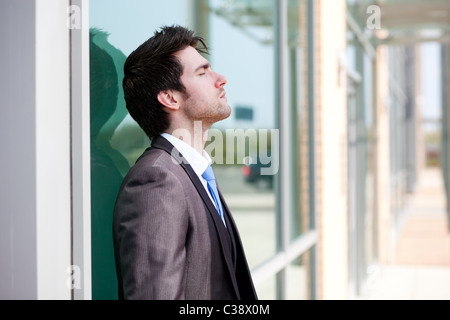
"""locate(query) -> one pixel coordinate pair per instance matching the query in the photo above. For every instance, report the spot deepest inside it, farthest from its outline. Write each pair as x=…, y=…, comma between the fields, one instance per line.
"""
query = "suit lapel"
x=243, y=274
x=230, y=226
x=161, y=143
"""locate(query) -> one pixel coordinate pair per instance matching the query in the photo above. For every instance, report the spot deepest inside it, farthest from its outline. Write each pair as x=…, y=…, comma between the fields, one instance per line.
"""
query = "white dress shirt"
x=198, y=162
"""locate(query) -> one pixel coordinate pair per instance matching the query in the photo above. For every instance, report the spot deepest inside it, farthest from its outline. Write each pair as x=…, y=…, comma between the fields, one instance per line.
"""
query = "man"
x=174, y=235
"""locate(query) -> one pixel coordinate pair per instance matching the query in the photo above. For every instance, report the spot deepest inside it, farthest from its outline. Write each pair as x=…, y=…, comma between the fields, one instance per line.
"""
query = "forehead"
x=190, y=59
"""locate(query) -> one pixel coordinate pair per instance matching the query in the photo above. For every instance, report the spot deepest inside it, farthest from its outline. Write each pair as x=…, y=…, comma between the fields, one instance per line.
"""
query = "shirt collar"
x=199, y=162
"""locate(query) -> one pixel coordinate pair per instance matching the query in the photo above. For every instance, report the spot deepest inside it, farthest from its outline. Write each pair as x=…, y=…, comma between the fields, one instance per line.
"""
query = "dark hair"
x=153, y=68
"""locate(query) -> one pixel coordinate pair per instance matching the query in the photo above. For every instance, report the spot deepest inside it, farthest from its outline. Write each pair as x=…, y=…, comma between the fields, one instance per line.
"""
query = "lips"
x=223, y=95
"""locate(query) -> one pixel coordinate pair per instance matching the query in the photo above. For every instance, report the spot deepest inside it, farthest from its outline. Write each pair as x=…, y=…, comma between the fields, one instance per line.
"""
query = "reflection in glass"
x=297, y=86
x=240, y=34
x=107, y=164
x=247, y=135
x=116, y=139
x=370, y=225
x=297, y=275
x=361, y=164
x=267, y=289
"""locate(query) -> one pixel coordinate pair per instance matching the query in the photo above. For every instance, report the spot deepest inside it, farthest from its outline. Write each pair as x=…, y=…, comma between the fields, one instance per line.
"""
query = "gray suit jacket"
x=169, y=240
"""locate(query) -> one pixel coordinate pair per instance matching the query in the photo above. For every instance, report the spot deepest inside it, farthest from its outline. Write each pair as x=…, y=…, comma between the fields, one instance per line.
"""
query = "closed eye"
x=202, y=69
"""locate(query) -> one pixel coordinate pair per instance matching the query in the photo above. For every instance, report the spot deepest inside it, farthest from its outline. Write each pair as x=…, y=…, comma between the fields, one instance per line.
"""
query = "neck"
x=194, y=134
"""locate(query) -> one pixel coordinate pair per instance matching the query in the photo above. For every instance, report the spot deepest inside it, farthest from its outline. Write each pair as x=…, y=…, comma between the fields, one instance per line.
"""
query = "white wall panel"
x=53, y=143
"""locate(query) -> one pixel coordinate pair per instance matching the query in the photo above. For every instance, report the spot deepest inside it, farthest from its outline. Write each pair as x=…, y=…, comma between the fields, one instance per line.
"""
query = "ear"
x=169, y=99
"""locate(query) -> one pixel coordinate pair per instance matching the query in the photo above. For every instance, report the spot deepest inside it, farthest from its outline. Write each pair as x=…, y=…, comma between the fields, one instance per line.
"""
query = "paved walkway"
x=422, y=262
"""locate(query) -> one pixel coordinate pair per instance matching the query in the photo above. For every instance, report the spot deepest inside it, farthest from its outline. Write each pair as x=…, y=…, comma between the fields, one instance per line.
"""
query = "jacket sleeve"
x=150, y=225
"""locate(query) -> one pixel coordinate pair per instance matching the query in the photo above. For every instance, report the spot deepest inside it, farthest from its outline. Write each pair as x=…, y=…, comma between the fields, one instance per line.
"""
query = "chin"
x=222, y=113
x=226, y=113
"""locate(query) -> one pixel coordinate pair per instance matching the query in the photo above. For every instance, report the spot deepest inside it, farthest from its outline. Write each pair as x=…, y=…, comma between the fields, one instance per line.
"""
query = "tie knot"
x=208, y=175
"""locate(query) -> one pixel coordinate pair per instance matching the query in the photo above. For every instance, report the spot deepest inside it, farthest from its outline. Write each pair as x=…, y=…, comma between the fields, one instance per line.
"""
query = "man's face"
x=205, y=100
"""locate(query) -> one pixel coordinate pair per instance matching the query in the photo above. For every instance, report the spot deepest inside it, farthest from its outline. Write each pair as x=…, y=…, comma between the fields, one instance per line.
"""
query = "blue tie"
x=208, y=175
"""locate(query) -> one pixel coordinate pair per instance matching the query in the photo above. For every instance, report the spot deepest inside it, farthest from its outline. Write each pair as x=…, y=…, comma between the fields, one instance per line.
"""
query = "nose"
x=221, y=81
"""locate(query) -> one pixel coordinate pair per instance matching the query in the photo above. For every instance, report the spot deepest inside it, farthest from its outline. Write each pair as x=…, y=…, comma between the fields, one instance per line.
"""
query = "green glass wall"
x=116, y=29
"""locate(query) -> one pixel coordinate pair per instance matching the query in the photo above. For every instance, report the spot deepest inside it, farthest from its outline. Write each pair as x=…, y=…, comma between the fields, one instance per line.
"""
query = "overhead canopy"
x=402, y=22
x=412, y=21
x=256, y=18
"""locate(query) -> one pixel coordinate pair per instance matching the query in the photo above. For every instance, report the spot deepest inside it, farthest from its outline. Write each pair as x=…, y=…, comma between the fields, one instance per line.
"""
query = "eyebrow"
x=203, y=66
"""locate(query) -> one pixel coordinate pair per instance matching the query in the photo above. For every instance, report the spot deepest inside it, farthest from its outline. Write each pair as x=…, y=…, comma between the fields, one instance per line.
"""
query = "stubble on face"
x=204, y=98
x=206, y=112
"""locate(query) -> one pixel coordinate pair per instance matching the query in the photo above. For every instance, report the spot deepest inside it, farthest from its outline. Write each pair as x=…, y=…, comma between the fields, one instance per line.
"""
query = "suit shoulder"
x=154, y=164
x=153, y=157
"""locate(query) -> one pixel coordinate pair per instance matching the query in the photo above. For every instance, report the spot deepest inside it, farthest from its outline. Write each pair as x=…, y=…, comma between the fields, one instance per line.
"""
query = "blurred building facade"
x=329, y=91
